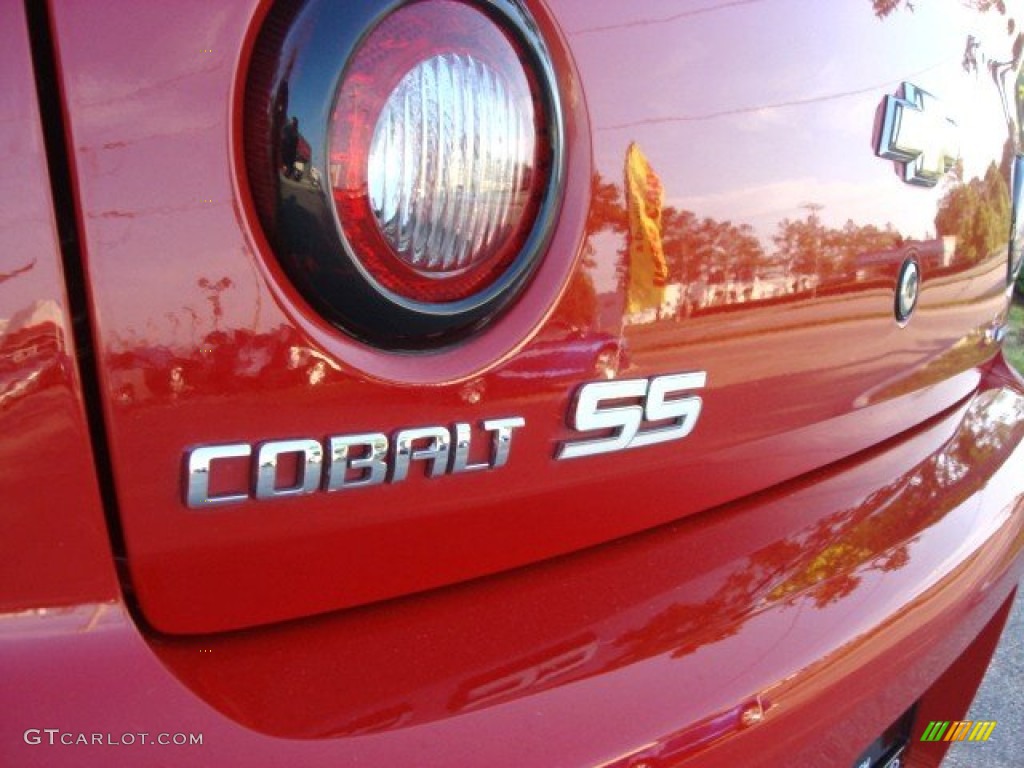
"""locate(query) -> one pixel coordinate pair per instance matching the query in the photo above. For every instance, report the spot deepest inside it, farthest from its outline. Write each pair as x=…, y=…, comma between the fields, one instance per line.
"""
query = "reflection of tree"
x=800, y=243
x=710, y=250
x=977, y=213
x=669, y=608
x=825, y=562
x=855, y=240
x=607, y=213
x=883, y=8
x=718, y=262
x=806, y=247
x=578, y=308
x=998, y=69
x=607, y=210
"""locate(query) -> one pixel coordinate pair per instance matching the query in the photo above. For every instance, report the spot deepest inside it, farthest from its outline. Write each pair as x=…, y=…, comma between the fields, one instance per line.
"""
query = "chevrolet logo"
x=918, y=136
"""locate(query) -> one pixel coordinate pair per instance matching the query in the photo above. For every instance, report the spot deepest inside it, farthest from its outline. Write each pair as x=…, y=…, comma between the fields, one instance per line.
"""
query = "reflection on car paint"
x=789, y=557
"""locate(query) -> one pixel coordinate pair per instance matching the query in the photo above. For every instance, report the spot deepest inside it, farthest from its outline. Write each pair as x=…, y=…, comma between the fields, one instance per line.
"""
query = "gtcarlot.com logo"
x=958, y=730
x=55, y=736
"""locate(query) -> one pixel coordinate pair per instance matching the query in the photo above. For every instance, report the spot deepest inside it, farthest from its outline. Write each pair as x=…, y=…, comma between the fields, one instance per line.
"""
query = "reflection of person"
x=290, y=145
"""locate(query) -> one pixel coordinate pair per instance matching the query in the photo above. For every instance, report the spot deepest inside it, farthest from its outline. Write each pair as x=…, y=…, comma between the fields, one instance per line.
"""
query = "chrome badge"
x=342, y=462
x=908, y=288
x=917, y=135
x=664, y=409
x=609, y=416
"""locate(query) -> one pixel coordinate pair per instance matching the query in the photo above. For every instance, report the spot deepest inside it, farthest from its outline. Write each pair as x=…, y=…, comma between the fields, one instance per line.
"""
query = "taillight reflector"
x=410, y=192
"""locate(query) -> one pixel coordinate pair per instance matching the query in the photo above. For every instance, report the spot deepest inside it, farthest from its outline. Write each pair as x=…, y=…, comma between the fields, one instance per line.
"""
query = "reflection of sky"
x=760, y=107
x=756, y=166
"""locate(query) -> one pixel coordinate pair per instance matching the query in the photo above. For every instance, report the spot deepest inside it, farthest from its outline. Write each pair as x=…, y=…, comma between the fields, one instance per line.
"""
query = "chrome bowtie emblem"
x=917, y=134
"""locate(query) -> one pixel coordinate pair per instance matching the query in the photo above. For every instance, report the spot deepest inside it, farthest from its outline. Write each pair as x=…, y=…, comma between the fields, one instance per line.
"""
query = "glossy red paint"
x=55, y=549
x=692, y=594
x=202, y=340
x=866, y=569
x=794, y=628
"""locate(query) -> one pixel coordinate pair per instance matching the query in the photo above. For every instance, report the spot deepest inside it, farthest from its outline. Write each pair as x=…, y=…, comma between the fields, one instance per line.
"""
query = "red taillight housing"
x=407, y=162
x=436, y=165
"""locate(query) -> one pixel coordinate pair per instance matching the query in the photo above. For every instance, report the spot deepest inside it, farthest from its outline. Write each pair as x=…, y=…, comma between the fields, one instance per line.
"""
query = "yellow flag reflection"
x=645, y=197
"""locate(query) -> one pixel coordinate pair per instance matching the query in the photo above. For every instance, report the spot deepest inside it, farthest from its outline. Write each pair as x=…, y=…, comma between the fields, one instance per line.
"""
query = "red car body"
x=830, y=555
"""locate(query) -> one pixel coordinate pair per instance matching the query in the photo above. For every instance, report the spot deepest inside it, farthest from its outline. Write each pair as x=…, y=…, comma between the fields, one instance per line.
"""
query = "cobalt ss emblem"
x=621, y=415
x=917, y=135
x=353, y=461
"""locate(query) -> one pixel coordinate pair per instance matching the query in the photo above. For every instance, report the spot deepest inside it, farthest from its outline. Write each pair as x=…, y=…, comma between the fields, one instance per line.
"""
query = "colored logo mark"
x=967, y=730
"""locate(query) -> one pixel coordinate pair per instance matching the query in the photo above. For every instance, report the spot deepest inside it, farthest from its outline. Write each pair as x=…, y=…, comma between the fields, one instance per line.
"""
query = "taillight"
x=406, y=163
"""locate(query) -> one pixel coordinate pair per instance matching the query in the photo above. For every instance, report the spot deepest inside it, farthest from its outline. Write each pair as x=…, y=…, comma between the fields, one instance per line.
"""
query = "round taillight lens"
x=406, y=163
x=449, y=164
x=435, y=163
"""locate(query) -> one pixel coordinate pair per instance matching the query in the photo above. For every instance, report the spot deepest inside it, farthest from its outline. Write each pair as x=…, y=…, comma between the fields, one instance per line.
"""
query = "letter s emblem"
x=627, y=420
